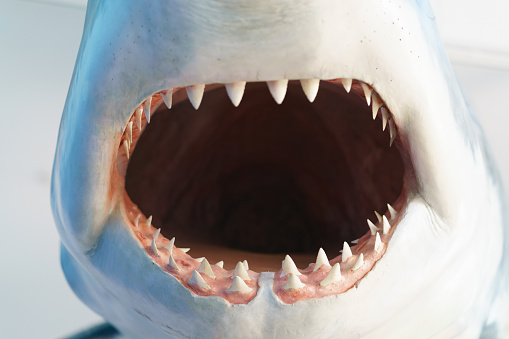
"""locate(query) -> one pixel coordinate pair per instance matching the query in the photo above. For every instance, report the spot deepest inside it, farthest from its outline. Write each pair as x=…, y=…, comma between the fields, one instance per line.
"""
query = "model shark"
x=276, y=169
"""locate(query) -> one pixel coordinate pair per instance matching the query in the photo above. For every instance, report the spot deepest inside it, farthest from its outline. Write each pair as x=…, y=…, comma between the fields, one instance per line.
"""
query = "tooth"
x=200, y=259
x=238, y=285
x=197, y=279
x=169, y=247
x=149, y=221
x=137, y=220
x=386, y=225
x=347, y=84
x=310, y=88
x=185, y=249
x=172, y=263
x=126, y=147
x=385, y=117
x=154, y=238
x=205, y=268
x=358, y=263
x=137, y=117
x=378, y=216
x=146, y=108
x=378, y=243
x=392, y=130
x=293, y=282
x=167, y=97
x=392, y=211
x=240, y=271
x=129, y=133
x=220, y=264
x=289, y=267
x=333, y=275
x=355, y=241
x=347, y=252
x=372, y=227
x=235, y=91
x=246, y=265
x=278, y=89
x=376, y=105
x=195, y=94
x=367, y=92
x=321, y=259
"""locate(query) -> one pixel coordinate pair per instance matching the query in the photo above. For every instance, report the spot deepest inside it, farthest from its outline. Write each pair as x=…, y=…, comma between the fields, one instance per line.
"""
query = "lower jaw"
x=290, y=284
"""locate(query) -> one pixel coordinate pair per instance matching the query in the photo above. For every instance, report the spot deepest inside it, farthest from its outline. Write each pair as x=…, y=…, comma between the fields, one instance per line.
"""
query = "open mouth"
x=282, y=180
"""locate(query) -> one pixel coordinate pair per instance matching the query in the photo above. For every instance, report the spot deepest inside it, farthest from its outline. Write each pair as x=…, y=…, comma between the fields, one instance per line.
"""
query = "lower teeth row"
x=323, y=276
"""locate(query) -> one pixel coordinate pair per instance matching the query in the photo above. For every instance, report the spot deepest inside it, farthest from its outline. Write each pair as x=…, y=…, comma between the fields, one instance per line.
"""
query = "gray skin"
x=444, y=272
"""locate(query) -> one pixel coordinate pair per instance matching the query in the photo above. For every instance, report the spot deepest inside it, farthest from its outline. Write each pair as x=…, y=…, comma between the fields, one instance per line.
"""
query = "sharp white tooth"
x=173, y=264
x=167, y=97
x=378, y=216
x=310, y=88
x=154, y=238
x=321, y=259
x=293, y=282
x=367, y=92
x=386, y=225
x=137, y=220
x=347, y=84
x=372, y=227
x=146, y=108
x=385, y=117
x=195, y=94
x=392, y=211
x=185, y=249
x=220, y=264
x=378, y=243
x=355, y=241
x=149, y=221
x=169, y=247
x=278, y=89
x=289, y=266
x=238, y=285
x=197, y=279
x=235, y=91
x=358, y=263
x=333, y=275
x=205, y=268
x=137, y=117
x=347, y=252
x=392, y=130
x=200, y=259
x=156, y=234
x=126, y=148
x=129, y=133
x=240, y=271
x=246, y=264
x=376, y=105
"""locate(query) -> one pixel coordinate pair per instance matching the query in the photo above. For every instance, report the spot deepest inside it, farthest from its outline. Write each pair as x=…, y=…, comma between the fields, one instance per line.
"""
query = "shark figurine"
x=276, y=169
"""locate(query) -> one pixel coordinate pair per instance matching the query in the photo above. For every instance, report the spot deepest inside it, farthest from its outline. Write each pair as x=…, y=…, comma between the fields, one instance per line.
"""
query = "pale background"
x=38, y=45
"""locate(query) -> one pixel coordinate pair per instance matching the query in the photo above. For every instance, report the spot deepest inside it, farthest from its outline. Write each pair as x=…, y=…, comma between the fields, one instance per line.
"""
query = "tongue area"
x=263, y=177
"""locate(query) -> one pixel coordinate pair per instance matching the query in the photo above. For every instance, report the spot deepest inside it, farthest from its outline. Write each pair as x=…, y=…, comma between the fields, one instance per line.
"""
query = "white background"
x=38, y=45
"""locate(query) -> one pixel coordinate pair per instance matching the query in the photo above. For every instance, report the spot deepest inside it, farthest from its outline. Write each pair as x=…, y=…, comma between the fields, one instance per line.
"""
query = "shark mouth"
x=263, y=185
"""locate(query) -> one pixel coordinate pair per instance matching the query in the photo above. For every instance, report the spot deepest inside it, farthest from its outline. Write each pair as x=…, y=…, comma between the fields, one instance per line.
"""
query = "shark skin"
x=444, y=272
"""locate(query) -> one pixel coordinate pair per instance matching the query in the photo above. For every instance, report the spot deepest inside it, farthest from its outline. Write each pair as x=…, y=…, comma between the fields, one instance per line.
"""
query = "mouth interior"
x=263, y=180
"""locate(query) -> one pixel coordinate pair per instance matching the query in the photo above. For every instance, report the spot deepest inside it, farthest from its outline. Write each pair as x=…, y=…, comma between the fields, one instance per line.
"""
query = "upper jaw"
x=159, y=48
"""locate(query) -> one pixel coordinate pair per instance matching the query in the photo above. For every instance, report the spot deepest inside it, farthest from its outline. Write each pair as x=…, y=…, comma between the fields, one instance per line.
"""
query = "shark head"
x=287, y=169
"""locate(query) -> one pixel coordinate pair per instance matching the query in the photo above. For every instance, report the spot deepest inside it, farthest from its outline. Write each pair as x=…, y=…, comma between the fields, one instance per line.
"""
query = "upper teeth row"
x=277, y=89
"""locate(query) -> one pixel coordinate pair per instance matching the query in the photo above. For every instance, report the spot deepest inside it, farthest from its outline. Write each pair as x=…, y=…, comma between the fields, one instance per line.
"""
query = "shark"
x=277, y=169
